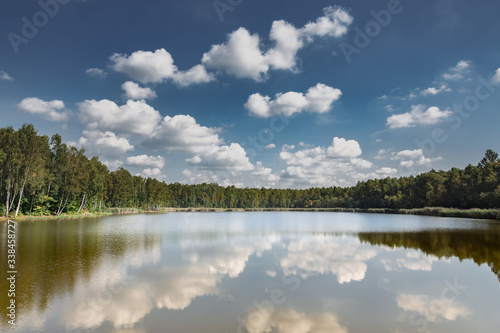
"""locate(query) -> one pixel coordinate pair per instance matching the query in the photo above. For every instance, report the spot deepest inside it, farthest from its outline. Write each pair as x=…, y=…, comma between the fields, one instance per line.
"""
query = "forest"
x=44, y=176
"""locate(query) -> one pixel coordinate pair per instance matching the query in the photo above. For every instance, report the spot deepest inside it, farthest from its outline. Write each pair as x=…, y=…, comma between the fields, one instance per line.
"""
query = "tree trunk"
x=84, y=202
x=12, y=197
x=21, y=195
x=31, y=206
x=59, y=211
x=58, y=208
x=7, y=206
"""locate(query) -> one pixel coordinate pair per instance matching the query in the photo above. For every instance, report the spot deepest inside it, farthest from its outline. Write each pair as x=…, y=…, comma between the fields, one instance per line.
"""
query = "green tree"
x=10, y=165
x=39, y=177
x=97, y=182
x=489, y=157
x=31, y=162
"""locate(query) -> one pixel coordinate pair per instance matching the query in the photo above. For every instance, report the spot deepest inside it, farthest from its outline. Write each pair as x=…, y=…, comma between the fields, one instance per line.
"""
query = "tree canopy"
x=39, y=176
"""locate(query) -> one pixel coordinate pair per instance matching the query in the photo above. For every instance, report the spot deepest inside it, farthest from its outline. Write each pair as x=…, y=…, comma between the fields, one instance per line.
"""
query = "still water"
x=292, y=272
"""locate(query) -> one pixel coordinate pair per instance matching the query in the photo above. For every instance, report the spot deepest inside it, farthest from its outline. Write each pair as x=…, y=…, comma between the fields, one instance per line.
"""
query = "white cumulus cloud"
x=334, y=165
x=197, y=74
x=318, y=99
x=385, y=172
x=146, y=161
x=265, y=176
x=344, y=148
x=145, y=66
x=288, y=41
x=231, y=157
x=135, y=117
x=410, y=158
x=417, y=116
x=157, y=66
x=304, y=157
x=153, y=173
x=105, y=144
x=182, y=133
x=241, y=55
x=361, y=163
x=380, y=173
x=134, y=91
x=334, y=23
x=50, y=110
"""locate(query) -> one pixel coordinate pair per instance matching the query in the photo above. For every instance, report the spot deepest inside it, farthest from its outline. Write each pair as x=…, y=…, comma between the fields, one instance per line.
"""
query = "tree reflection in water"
x=480, y=246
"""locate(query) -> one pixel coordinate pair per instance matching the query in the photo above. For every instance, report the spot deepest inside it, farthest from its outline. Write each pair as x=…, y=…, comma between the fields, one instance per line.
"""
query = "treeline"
x=42, y=176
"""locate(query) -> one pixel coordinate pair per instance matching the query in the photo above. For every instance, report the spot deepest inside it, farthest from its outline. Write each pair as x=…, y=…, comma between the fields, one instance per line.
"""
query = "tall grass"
x=124, y=210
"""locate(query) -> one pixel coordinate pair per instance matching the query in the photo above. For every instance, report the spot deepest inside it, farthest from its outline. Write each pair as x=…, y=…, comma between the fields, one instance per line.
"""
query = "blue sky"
x=257, y=93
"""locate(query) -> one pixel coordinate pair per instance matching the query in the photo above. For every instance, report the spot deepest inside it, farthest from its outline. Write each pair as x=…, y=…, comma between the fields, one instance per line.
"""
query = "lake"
x=256, y=272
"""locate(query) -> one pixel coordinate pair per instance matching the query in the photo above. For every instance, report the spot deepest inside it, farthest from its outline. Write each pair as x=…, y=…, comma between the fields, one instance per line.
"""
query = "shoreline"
x=482, y=214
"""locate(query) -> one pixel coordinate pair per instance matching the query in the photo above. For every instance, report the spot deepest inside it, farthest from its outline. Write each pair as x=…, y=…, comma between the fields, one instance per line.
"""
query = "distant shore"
x=486, y=214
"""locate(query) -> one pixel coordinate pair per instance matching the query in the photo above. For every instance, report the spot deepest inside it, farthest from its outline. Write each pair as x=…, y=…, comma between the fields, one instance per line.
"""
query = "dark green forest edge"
x=45, y=177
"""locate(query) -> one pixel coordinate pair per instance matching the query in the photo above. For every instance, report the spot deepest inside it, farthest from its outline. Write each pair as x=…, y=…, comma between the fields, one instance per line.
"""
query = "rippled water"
x=256, y=272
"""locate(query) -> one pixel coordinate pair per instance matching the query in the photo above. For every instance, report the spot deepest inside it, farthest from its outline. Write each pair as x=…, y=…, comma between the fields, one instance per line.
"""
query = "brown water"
x=255, y=272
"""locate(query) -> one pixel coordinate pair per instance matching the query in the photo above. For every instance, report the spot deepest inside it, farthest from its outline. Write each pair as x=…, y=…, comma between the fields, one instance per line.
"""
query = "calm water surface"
x=255, y=272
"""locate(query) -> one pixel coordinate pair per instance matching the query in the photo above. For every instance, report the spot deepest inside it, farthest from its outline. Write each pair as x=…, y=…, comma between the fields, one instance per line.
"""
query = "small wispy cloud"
x=496, y=77
x=4, y=76
x=457, y=72
x=97, y=73
x=435, y=91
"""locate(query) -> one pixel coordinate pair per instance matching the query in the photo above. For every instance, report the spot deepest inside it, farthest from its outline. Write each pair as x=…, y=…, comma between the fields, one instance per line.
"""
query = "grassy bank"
x=492, y=214
x=67, y=216
x=55, y=217
x=488, y=214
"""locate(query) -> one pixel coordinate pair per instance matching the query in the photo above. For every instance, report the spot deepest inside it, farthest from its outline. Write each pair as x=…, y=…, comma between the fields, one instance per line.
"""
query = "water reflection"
x=55, y=258
x=432, y=309
x=172, y=284
x=413, y=260
x=291, y=321
x=482, y=246
x=341, y=256
x=253, y=274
